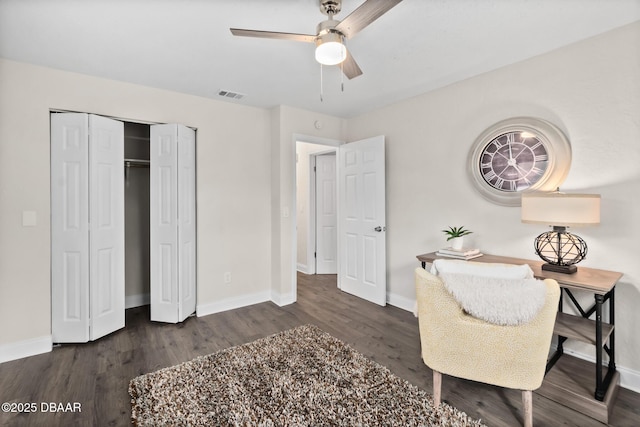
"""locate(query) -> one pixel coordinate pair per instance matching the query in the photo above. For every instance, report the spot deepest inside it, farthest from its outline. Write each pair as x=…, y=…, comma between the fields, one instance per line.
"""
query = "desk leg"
x=561, y=340
x=602, y=384
x=599, y=395
x=612, y=337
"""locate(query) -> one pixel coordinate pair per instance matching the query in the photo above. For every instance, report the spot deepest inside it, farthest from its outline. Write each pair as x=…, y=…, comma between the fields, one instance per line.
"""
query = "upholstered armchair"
x=458, y=344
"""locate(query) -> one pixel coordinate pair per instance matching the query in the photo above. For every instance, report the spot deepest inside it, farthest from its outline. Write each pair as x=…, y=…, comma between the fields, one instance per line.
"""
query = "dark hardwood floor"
x=97, y=374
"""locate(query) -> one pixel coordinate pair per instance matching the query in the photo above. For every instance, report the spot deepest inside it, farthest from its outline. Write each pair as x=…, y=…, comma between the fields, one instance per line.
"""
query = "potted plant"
x=456, y=235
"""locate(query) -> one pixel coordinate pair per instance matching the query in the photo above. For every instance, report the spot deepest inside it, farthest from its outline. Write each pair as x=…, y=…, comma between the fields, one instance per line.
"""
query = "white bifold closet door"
x=87, y=226
x=173, y=223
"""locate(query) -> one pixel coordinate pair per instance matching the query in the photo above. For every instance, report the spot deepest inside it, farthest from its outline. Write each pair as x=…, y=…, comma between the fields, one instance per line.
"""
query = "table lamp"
x=560, y=249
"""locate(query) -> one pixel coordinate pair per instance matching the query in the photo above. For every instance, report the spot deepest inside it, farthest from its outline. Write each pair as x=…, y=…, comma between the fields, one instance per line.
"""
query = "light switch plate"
x=29, y=219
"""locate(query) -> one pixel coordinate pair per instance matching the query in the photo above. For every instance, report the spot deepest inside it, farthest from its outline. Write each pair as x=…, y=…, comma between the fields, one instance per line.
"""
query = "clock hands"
x=509, y=139
x=522, y=171
x=513, y=160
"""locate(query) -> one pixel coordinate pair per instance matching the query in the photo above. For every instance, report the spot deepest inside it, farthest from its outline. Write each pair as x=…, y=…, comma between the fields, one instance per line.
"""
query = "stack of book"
x=463, y=253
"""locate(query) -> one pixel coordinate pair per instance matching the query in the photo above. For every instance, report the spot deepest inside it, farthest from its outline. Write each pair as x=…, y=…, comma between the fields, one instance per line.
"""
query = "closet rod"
x=136, y=163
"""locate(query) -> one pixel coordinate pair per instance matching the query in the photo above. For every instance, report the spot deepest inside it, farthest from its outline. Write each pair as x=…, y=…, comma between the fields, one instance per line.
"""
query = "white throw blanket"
x=484, y=269
x=502, y=301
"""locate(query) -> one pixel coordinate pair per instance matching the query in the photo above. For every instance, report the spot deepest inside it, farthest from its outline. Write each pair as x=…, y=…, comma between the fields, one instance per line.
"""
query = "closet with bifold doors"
x=89, y=178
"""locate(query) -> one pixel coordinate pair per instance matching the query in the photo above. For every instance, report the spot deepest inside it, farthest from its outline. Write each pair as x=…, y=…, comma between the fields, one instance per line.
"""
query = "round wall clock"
x=518, y=155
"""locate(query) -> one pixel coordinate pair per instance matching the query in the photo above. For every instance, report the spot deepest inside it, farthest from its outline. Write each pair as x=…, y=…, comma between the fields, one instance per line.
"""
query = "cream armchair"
x=456, y=344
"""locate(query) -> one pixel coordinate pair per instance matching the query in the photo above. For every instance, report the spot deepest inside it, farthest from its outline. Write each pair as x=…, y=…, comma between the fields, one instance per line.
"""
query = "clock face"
x=518, y=155
x=513, y=161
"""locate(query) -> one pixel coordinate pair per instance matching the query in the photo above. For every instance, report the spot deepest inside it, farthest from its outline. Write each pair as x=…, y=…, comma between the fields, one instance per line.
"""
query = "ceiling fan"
x=330, y=34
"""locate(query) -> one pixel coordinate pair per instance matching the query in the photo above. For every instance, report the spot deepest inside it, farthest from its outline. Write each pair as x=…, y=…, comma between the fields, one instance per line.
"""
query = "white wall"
x=233, y=193
x=592, y=91
x=136, y=234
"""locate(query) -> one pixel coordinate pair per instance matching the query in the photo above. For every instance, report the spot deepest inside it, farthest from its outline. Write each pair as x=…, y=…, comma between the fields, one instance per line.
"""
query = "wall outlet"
x=227, y=277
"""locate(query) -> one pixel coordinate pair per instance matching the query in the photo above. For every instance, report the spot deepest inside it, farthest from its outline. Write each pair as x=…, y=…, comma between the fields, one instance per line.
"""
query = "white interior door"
x=326, y=215
x=69, y=228
x=186, y=221
x=172, y=246
x=163, y=199
x=87, y=226
x=106, y=225
x=361, y=219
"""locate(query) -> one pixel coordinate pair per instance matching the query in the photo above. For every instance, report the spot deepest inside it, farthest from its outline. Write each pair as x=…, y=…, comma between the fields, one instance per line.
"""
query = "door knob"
x=379, y=229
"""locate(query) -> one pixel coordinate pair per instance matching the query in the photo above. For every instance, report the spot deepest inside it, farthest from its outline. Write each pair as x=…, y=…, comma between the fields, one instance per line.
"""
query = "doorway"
x=361, y=217
x=307, y=206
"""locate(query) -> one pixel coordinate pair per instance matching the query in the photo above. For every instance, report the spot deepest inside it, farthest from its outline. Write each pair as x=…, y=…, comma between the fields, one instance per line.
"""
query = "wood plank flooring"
x=97, y=374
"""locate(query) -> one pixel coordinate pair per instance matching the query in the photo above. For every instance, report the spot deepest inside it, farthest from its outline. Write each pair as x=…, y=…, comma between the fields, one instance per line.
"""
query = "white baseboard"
x=131, y=301
x=232, y=303
x=302, y=268
x=282, y=299
x=404, y=303
x=26, y=348
x=629, y=378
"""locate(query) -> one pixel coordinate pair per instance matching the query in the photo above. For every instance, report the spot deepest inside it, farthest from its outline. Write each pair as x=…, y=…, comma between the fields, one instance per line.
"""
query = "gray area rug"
x=299, y=377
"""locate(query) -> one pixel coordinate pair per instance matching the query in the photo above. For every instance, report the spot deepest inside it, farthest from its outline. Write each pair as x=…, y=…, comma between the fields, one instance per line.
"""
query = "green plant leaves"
x=454, y=232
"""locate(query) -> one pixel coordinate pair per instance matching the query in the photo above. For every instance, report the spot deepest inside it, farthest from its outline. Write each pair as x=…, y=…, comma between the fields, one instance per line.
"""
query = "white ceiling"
x=186, y=46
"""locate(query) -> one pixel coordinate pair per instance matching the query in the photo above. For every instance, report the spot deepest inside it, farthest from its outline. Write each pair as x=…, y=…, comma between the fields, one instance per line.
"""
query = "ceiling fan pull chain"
x=342, y=76
x=321, y=100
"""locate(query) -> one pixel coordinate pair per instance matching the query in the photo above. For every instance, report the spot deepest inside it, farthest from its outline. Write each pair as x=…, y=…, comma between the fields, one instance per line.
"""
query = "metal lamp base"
x=561, y=250
x=566, y=269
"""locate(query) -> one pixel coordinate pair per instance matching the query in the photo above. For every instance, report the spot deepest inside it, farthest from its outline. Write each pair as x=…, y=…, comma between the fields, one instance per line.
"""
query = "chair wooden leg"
x=527, y=403
x=437, y=387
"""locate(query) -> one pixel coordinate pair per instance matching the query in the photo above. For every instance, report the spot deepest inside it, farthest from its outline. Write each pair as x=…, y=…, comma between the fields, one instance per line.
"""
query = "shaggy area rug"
x=299, y=377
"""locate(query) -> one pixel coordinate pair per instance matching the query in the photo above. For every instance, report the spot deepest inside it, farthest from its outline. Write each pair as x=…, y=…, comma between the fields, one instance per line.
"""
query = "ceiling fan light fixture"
x=330, y=50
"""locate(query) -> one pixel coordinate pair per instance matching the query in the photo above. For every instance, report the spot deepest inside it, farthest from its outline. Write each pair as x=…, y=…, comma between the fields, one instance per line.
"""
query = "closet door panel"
x=69, y=228
x=106, y=212
x=163, y=199
x=186, y=221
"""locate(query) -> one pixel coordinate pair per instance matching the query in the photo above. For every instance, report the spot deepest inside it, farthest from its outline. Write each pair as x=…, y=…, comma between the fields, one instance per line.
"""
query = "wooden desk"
x=571, y=382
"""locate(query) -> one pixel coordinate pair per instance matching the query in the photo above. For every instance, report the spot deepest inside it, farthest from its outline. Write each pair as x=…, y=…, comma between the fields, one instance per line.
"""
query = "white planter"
x=456, y=243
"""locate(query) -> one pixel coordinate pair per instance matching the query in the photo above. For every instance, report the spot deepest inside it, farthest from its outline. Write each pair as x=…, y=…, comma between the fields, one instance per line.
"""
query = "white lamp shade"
x=561, y=209
x=330, y=50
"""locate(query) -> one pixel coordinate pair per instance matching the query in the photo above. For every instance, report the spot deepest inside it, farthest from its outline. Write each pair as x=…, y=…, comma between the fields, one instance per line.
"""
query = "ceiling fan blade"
x=364, y=15
x=308, y=38
x=350, y=67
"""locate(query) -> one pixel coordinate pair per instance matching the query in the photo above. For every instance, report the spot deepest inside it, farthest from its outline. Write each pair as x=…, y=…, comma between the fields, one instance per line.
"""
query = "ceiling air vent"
x=229, y=94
